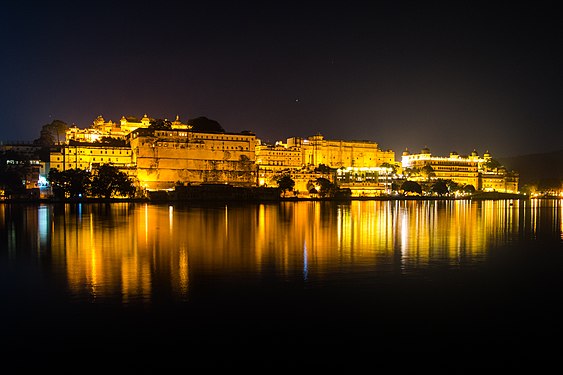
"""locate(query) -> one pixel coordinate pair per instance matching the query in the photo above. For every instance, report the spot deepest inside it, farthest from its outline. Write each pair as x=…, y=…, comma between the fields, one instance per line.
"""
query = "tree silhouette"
x=160, y=124
x=411, y=187
x=56, y=180
x=469, y=189
x=72, y=183
x=326, y=187
x=323, y=168
x=427, y=171
x=11, y=181
x=109, y=181
x=285, y=183
x=52, y=133
x=203, y=124
x=439, y=187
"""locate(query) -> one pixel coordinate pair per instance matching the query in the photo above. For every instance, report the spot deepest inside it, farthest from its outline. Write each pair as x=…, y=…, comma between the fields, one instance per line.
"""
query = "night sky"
x=453, y=76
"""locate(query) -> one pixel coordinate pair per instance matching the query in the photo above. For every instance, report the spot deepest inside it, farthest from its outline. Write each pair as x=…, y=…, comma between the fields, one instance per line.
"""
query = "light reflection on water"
x=122, y=251
x=136, y=276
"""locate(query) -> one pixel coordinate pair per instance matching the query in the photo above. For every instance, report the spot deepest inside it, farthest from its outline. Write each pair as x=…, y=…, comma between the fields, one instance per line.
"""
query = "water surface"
x=415, y=275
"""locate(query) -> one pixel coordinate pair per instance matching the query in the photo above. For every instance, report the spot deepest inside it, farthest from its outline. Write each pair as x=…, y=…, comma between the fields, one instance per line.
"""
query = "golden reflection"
x=560, y=219
x=123, y=250
x=146, y=223
x=183, y=276
x=560, y=202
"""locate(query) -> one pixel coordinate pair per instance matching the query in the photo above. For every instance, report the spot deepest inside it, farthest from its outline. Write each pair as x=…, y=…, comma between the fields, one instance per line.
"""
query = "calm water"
x=403, y=276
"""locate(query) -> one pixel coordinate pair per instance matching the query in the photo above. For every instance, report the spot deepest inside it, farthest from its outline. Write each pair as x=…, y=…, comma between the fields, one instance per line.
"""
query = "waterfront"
x=398, y=275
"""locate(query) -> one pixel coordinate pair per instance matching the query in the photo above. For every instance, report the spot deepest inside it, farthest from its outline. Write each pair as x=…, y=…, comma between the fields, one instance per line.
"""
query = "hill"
x=535, y=167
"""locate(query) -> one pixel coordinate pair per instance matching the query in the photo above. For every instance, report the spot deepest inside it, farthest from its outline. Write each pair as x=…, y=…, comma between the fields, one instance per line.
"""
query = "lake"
x=451, y=276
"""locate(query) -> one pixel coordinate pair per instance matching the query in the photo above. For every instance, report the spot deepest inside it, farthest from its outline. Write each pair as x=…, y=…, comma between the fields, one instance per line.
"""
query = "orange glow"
x=119, y=251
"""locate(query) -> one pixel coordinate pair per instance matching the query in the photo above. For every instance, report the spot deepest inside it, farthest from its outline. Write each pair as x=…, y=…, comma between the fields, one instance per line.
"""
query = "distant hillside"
x=534, y=167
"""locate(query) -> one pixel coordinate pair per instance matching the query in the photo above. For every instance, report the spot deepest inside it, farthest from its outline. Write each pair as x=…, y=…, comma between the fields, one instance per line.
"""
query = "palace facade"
x=166, y=158
x=464, y=170
x=301, y=158
x=161, y=158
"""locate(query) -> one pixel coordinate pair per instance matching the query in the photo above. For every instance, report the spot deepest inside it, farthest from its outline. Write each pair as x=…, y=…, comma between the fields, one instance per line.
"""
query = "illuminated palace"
x=163, y=158
x=160, y=159
x=480, y=172
x=358, y=163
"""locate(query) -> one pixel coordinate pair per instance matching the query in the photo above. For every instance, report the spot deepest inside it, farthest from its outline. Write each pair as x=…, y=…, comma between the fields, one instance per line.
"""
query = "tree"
x=12, y=181
x=203, y=124
x=408, y=172
x=160, y=124
x=72, y=183
x=411, y=187
x=468, y=189
x=439, y=187
x=79, y=182
x=285, y=183
x=13, y=174
x=325, y=186
x=393, y=167
x=323, y=168
x=427, y=171
x=452, y=186
x=109, y=181
x=52, y=133
x=55, y=178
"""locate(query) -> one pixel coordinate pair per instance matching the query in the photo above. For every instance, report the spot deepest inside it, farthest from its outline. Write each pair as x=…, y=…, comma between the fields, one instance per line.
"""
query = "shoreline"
x=229, y=199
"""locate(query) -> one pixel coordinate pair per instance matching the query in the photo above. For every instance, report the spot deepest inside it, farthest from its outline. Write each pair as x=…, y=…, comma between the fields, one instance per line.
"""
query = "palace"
x=166, y=158
x=101, y=128
x=473, y=170
x=175, y=154
x=301, y=159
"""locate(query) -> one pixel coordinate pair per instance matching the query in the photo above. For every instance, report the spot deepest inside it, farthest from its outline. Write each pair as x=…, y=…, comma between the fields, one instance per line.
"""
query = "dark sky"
x=453, y=76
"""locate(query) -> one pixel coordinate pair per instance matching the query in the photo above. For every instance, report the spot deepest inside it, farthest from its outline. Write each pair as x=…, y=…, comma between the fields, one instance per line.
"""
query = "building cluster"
x=157, y=158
